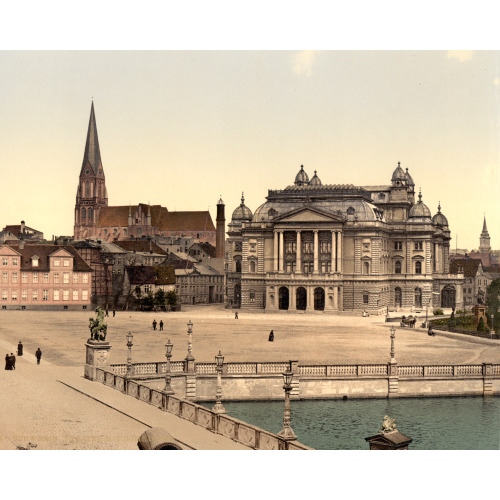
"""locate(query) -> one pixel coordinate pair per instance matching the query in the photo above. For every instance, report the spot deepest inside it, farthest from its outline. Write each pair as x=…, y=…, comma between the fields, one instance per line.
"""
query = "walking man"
x=20, y=349
x=38, y=355
x=271, y=336
x=7, y=362
x=114, y=312
x=12, y=361
x=161, y=325
x=154, y=324
x=236, y=315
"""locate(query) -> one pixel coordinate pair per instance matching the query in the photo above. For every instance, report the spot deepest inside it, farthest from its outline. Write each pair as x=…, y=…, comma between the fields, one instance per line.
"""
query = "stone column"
x=298, y=264
x=281, y=253
x=97, y=356
x=335, y=297
x=339, y=252
x=293, y=299
x=316, y=252
x=333, y=253
x=275, y=267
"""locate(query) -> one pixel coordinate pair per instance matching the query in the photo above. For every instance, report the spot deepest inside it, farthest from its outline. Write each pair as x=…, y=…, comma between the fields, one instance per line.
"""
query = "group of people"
x=107, y=312
x=10, y=359
x=155, y=323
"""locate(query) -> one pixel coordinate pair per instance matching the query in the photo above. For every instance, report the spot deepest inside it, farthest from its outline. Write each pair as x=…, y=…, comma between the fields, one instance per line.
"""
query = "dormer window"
x=34, y=261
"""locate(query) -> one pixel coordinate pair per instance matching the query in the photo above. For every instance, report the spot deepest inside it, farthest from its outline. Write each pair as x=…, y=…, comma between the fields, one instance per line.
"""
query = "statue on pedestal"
x=388, y=425
x=97, y=327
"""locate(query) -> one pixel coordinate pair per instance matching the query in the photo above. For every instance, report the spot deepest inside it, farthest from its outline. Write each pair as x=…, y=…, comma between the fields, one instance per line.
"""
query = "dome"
x=242, y=212
x=439, y=219
x=419, y=212
x=315, y=181
x=398, y=174
x=408, y=179
x=301, y=178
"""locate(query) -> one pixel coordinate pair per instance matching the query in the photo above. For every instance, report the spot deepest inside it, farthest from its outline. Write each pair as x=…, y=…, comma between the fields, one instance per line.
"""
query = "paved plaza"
x=54, y=407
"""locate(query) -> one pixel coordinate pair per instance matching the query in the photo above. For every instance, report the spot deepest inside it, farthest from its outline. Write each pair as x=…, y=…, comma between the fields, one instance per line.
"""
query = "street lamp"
x=190, y=341
x=393, y=336
x=168, y=389
x=492, y=330
x=219, y=361
x=287, y=433
x=130, y=367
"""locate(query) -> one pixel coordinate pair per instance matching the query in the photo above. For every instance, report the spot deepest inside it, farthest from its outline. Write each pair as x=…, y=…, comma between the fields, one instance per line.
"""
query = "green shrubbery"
x=438, y=312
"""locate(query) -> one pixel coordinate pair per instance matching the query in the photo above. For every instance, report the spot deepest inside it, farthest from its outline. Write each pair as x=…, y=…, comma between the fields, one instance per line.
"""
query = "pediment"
x=309, y=214
x=5, y=250
x=61, y=253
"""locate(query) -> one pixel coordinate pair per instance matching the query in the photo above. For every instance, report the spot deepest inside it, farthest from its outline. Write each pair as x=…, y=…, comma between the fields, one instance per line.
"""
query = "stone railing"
x=225, y=425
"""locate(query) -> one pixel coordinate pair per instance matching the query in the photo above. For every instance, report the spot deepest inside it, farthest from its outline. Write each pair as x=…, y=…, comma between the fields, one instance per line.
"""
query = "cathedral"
x=315, y=247
x=95, y=219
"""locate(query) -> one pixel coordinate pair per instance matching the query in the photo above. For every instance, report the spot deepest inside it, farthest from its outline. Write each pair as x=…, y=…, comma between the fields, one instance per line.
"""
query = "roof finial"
x=439, y=207
x=315, y=172
x=420, y=195
x=399, y=163
x=302, y=167
x=242, y=198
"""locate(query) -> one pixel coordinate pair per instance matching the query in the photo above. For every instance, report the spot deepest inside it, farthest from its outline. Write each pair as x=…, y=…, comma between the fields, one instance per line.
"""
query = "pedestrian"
x=20, y=349
x=12, y=361
x=161, y=325
x=271, y=336
x=7, y=362
x=236, y=315
x=38, y=355
x=107, y=313
x=114, y=312
x=154, y=324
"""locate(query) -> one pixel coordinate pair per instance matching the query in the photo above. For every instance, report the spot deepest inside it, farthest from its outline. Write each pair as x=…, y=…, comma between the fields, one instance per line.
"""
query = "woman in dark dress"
x=271, y=336
x=20, y=349
x=7, y=362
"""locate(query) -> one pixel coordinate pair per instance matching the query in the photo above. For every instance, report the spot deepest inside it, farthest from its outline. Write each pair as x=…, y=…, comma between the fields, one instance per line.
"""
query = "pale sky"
x=182, y=128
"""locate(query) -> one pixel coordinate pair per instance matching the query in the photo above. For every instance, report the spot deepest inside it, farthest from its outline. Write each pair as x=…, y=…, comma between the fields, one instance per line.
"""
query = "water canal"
x=457, y=423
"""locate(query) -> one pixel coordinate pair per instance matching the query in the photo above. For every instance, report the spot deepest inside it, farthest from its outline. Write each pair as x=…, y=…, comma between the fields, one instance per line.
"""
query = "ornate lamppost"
x=218, y=407
x=492, y=330
x=287, y=433
x=168, y=389
x=393, y=352
x=130, y=367
x=190, y=357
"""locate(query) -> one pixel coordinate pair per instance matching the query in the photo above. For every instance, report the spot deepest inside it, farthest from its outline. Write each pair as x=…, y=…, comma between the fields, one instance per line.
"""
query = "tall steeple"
x=91, y=194
x=484, y=239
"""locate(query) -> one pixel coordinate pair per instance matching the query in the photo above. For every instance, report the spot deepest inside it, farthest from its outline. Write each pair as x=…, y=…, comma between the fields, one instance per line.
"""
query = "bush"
x=482, y=326
x=438, y=312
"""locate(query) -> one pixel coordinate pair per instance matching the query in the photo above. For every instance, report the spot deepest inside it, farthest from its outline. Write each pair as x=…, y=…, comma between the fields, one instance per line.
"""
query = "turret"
x=220, y=230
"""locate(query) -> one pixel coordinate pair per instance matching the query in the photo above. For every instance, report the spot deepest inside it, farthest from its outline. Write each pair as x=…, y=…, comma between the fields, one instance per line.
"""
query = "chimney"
x=22, y=226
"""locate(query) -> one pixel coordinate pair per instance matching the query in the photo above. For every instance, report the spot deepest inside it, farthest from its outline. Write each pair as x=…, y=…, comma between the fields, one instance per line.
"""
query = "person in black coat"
x=271, y=336
x=161, y=325
x=7, y=362
x=12, y=361
x=154, y=325
x=38, y=355
x=20, y=349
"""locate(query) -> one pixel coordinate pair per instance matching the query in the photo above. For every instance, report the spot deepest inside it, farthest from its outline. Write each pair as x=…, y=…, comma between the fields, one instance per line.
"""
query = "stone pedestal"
x=479, y=312
x=97, y=356
x=392, y=440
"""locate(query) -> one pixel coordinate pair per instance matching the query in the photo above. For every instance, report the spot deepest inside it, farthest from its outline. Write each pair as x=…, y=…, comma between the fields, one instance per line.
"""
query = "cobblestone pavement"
x=36, y=408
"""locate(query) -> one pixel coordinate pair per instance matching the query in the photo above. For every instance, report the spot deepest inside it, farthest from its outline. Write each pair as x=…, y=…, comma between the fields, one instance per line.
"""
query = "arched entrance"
x=319, y=299
x=301, y=299
x=398, y=297
x=418, y=297
x=448, y=296
x=237, y=295
x=284, y=298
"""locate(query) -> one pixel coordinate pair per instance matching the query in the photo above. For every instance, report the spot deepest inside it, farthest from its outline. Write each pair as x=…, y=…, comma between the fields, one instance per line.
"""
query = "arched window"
x=90, y=215
x=418, y=267
x=238, y=266
x=252, y=266
x=125, y=232
x=397, y=297
x=418, y=297
x=84, y=215
x=87, y=189
x=351, y=211
x=366, y=268
x=397, y=267
x=99, y=190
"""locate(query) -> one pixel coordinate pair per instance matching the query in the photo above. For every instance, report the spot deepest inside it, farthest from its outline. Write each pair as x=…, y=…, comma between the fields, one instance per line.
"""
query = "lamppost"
x=190, y=341
x=287, y=433
x=168, y=389
x=219, y=361
x=492, y=330
x=393, y=352
x=130, y=367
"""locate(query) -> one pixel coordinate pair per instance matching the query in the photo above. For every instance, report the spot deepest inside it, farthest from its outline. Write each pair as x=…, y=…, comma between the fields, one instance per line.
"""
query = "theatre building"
x=326, y=247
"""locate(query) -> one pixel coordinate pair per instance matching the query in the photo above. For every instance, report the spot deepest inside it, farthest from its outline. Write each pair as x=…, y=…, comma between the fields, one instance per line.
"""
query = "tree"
x=160, y=297
x=171, y=298
x=148, y=301
x=481, y=326
x=493, y=303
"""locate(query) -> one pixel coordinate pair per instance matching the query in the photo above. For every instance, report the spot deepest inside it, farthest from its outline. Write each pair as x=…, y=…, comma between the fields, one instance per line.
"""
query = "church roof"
x=186, y=221
x=140, y=246
x=92, y=153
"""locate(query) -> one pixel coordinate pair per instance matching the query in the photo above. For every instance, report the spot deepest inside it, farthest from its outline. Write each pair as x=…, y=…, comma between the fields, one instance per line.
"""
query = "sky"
x=182, y=128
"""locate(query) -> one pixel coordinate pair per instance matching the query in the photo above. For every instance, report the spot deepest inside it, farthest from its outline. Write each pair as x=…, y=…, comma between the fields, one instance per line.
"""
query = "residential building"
x=476, y=280
x=23, y=232
x=200, y=284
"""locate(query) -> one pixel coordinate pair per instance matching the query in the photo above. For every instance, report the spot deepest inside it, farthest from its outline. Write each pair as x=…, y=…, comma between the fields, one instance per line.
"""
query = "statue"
x=97, y=327
x=388, y=425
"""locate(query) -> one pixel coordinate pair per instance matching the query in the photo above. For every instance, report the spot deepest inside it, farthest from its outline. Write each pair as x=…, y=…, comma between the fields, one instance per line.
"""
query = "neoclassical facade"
x=327, y=248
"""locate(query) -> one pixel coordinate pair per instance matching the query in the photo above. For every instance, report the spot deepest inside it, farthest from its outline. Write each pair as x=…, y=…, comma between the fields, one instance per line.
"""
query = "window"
x=85, y=278
x=14, y=294
x=25, y=277
x=87, y=189
x=75, y=294
x=5, y=261
x=35, y=295
x=366, y=268
x=66, y=278
x=419, y=245
x=84, y=214
x=365, y=298
x=34, y=261
x=4, y=294
x=418, y=297
x=326, y=246
x=56, y=294
x=252, y=266
x=15, y=261
x=56, y=277
x=237, y=246
x=252, y=296
x=5, y=277
x=398, y=245
x=75, y=278
x=238, y=266
x=90, y=215
x=291, y=246
x=65, y=294
x=14, y=277
x=308, y=247
x=351, y=211
x=24, y=295
x=147, y=288
x=45, y=295
x=418, y=267
x=397, y=267
x=57, y=262
x=66, y=262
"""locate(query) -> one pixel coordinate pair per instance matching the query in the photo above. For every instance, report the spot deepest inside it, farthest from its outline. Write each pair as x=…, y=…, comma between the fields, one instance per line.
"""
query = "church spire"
x=484, y=239
x=485, y=230
x=92, y=153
